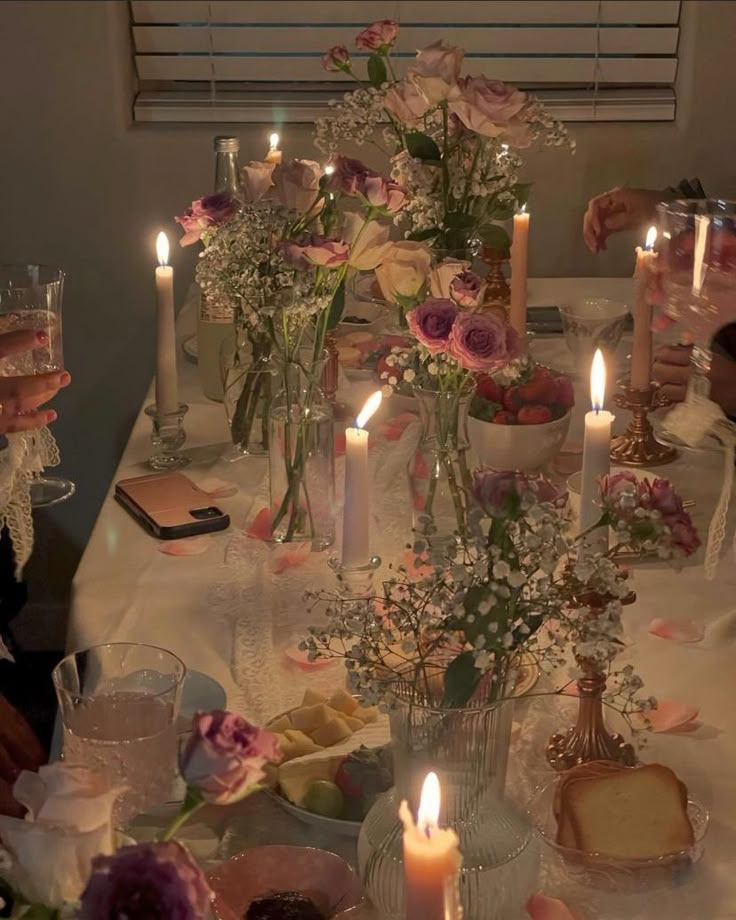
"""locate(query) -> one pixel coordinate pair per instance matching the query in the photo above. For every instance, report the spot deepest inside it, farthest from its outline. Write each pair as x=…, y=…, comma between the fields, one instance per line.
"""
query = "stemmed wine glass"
x=30, y=298
x=698, y=256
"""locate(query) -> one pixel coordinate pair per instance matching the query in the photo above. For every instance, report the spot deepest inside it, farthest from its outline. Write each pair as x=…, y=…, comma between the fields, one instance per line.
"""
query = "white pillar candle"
x=519, y=270
x=641, y=355
x=432, y=860
x=356, y=511
x=596, y=455
x=274, y=155
x=167, y=399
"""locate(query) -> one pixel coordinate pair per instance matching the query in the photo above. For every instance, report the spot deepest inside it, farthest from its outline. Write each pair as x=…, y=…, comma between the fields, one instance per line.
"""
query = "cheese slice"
x=295, y=778
x=333, y=732
x=303, y=744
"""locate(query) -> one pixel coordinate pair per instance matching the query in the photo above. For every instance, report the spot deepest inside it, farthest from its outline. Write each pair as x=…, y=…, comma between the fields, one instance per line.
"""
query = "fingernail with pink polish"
x=42, y=337
x=52, y=416
x=65, y=379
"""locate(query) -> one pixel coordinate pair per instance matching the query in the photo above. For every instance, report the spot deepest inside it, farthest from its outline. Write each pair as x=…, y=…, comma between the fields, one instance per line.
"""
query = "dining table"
x=231, y=606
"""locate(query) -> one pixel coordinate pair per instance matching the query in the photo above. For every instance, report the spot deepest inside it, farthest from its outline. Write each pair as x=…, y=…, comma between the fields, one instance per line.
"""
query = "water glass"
x=119, y=704
x=591, y=323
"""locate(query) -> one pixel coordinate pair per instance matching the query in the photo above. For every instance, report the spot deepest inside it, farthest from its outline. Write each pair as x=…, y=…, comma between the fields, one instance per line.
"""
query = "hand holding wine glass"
x=22, y=398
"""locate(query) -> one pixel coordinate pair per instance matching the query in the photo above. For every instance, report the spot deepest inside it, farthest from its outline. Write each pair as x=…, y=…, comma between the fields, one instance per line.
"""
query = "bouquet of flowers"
x=451, y=625
x=453, y=140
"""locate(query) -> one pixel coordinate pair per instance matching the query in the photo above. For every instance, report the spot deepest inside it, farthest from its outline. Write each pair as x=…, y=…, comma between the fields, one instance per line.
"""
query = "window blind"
x=256, y=61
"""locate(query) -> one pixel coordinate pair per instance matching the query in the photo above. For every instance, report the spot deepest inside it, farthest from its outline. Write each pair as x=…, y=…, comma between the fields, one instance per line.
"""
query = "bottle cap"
x=227, y=144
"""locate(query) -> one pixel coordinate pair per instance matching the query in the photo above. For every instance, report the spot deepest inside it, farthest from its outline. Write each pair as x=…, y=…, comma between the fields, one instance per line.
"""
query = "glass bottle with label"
x=216, y=321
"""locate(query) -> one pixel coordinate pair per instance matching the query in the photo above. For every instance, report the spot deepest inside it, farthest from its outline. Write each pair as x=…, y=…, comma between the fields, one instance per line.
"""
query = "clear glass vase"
x=301, y=457
x=439, y=476
x=468, y=749
x=247, y=384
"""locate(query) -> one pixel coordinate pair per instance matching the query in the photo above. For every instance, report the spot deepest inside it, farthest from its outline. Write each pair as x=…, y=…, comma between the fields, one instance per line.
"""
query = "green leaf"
x=377, y=70
x=502, y=213
x=458, y=220
x=521, y=191
x=422, y=147
x=461, y=679
x=427, y=234
x=496, y=237
x=337, y=306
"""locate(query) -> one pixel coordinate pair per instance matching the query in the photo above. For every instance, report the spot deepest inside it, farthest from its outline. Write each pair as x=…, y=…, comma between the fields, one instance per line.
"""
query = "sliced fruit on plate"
x=332, y=732
x=303, y=744
x=323, y=797
x=296, y=777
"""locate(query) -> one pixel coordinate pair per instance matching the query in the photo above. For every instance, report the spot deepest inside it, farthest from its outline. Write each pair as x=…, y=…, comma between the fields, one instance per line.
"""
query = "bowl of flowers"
x=523, y=425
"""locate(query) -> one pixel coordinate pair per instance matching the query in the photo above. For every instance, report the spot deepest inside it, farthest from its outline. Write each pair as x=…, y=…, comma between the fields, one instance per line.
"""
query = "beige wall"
x=85, y=188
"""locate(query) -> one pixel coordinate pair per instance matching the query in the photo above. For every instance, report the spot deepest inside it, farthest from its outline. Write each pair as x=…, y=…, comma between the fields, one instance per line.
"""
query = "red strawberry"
x=540, y=388
x=488, y=389
x=565, y=394
x=503, y=417
x=511, y=399
x=534, y=415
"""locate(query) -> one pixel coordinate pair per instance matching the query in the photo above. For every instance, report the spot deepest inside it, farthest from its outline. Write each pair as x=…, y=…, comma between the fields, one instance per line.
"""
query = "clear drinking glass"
x=30, y=298
x=698, y=254
x=119, y=704
x=590, y=323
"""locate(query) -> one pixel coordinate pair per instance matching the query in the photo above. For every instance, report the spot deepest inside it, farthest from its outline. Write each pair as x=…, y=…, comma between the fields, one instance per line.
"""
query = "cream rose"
x=404, y=270
x=405, y=102
x=372, y=241
x=69, y=822
x=297, y=184
x=256, y=178
x=488, y=107
x=442, y=274
x=436, y=71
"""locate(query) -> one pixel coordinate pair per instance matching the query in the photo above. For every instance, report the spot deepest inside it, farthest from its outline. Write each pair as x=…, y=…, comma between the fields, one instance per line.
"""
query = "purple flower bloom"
x=378, y=37
x=498, y=493
x=204, y=213
x=481, y=341
x=432, y=322
x=349, y=175
x=150, y=881
x=664, y=498
x=683, y=535
x=336, y=59
x=316, y=250
x=225, y=755
x=467, y=289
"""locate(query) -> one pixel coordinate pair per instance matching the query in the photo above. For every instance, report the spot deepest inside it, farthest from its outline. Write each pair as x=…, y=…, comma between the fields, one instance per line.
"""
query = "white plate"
x=328, y=825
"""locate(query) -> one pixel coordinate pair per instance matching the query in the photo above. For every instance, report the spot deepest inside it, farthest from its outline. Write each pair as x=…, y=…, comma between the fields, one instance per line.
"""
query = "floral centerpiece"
x=62, y=863
x=282, y=254
x=453, y=140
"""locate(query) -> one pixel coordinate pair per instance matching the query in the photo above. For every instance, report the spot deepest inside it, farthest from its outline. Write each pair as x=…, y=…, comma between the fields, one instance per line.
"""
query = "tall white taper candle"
x=596, y=459
x=167, y=399
x=356, y=511
x=641, y=355
x=519, y=271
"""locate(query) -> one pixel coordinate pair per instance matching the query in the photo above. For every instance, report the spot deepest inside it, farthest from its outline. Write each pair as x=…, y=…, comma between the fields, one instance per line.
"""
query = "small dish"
x=368, y=318
x=324, y=877
x=597, y=870
x=325, y=825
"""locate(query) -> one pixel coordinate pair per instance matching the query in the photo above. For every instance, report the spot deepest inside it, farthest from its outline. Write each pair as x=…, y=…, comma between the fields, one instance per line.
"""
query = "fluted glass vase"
x=439, y=475
x=301, y=457
x=468, y=749
x=247, y=385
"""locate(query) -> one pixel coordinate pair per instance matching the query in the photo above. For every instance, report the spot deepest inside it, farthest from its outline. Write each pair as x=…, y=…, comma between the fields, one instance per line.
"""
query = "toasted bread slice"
x=640, y=813
x=583, y=771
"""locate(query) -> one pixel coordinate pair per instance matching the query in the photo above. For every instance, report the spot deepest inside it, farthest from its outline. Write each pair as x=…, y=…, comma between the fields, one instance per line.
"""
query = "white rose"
x=256, y=178
x=297, y=184
x=69, y=822
x=442, y=274
x=436, y=71
x=404, y=270
x=369, y=241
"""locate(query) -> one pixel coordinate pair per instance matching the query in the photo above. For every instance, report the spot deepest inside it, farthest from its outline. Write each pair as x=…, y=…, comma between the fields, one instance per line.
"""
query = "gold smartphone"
x=170, y=506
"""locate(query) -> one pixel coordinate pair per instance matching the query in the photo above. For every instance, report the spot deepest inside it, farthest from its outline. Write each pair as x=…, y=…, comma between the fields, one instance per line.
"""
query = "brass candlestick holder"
x=589, y=739
x=330, y=378
x=497, y=293
x=637, y=446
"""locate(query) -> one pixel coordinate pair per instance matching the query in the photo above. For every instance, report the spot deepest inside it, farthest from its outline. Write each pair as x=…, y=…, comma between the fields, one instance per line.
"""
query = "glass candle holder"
x=167, y=436
x=355, y=580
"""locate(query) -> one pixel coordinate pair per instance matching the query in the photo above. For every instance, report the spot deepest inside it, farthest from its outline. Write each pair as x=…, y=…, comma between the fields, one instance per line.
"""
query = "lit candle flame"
x=162, y=249
x=329, y=169
x=522, y=209
x=597, y=381
x=372, y=404
x=651, y=237
x=274, y=141
x=429, y=804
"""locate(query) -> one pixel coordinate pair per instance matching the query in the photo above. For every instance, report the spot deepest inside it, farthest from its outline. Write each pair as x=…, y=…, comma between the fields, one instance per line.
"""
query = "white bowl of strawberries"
x=521, y=426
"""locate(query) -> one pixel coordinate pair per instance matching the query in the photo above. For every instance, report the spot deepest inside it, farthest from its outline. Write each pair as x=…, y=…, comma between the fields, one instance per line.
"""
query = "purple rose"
x=467, y=289
x=664, y=499
x=619, y=484
x=205, y=213
x=336, y=59
x=432, y=322
x=378, y=37
x=225, y=755
x=683, y=535
x=382, y=193
x=481, y=341
x=146, y=881
x=349, y=175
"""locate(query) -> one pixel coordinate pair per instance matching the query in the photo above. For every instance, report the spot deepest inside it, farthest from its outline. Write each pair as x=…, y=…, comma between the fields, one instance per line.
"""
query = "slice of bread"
x=583, y=771
x=638, y=813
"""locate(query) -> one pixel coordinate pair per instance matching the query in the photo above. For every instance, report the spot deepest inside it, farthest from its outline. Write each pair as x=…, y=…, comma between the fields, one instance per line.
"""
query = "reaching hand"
x=672, y=371
x=21, y=397
x=616, y=210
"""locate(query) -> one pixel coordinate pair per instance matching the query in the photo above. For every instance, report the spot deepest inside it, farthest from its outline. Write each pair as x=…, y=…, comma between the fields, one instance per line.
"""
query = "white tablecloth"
x=227, y=614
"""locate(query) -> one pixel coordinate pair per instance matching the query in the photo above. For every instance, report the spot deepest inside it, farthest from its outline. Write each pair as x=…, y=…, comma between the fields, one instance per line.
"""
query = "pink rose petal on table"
x=260, y=527
x=679, y=630
x=670, y=716
x=301, y=659
x=189, y=546
x=217, y=488
x=540, y=907
x=289, y=556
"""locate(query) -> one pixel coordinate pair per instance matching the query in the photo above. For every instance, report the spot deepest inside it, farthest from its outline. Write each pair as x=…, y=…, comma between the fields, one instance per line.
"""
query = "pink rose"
x=436, y=70
x=349, y=175
x=297, y=184
x=384, y=194
x=316, y=250
x=499, y=494
x=256, y=178
x=663, y=497
x=431, y=323
x=225, y=755
x=683, y=535
x=487, y=107
x=467, y=289
x=443, y=274
x=205, y=213
x=336, y=59
x=481, y=341
x=616, y=485
x=378, y=37
x=404, y=101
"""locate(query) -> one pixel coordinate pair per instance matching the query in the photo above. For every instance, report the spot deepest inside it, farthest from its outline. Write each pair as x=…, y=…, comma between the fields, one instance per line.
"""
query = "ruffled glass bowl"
x=612, y=873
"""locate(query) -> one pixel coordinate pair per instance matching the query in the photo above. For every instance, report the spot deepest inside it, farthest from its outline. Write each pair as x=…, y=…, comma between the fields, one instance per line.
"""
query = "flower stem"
x=193, y=801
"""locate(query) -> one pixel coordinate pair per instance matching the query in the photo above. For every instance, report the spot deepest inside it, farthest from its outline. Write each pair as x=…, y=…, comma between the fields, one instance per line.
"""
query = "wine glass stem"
x=700, y=362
